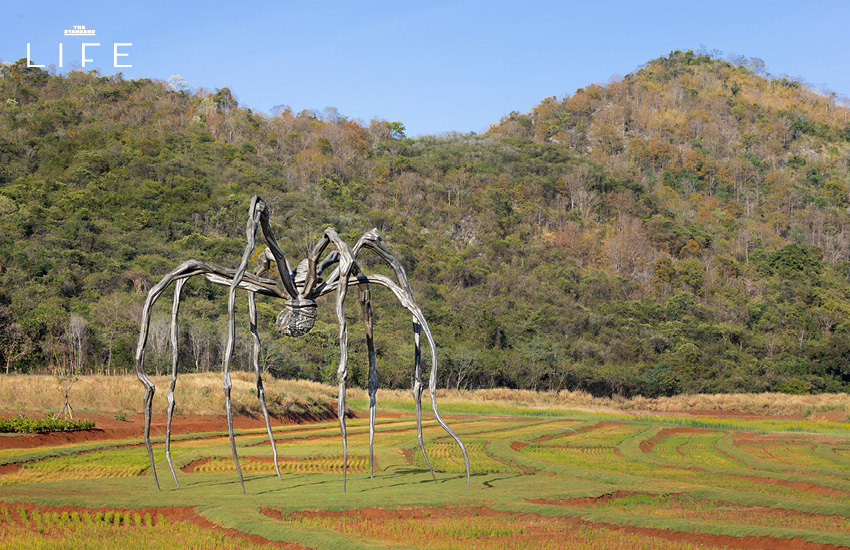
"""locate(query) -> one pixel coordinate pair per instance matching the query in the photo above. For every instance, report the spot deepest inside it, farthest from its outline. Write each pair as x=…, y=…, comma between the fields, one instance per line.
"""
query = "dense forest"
x=684, y=228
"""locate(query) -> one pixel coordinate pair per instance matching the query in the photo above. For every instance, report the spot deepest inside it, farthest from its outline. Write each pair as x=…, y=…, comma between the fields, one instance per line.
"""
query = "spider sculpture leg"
x=216, y=274
x=183, y=271
x=346, y=266
x=257, y=212
x=342, y=371
x=148, y=401
x=234, y=279
x=366, y=307
x=372, y=239
x=432, y=389
x=347, y=273
x=175, y=308
x=261, y=393
x=417, y=392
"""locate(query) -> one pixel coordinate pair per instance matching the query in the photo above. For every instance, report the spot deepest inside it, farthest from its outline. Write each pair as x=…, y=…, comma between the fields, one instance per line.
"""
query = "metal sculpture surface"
x=300, y=287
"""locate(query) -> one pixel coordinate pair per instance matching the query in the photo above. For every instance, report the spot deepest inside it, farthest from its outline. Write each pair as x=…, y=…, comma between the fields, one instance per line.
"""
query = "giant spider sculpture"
x=300, y=287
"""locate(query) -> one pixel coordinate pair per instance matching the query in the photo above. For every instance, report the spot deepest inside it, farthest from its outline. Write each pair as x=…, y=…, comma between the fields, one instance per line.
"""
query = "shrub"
x=24, y=424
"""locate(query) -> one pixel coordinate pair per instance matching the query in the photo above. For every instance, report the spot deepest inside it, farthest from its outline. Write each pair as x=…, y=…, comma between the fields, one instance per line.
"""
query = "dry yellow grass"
x=758, y=403
x=195, y=393
x=201, y=394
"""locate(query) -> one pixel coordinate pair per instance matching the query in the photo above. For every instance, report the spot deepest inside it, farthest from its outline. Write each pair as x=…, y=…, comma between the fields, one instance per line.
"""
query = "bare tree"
x=65, y=383
x=270, y=354
x=462, y=363
x=201, y=342
x=77, y=337
x=111, y=319
x=15, y=343
x=159, y=335
x=582, y=198
x=629, y=250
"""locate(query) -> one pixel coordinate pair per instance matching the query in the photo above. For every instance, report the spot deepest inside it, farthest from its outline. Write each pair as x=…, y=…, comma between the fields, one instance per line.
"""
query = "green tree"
x=665, y=276
x=795, y=262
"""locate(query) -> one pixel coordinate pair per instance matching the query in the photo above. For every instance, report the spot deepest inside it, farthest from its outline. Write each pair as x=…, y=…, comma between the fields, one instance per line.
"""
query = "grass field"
x=541, y=478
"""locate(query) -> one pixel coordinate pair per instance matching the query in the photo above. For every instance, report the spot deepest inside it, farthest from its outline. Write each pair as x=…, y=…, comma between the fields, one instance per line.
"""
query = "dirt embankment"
x=107, y=427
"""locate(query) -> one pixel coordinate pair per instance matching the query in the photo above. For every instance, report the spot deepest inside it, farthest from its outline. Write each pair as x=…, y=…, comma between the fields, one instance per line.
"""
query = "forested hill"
x=684, y=228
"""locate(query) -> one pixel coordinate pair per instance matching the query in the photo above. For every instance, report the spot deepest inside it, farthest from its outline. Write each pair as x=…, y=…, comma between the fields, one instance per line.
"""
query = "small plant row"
x=21, y=527
x=46, y=520
x=294, y=465
x=445, y=456
x=23, y=424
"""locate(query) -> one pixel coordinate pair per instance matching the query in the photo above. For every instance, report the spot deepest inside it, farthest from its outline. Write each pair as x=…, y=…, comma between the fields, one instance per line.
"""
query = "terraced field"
x=552, y=479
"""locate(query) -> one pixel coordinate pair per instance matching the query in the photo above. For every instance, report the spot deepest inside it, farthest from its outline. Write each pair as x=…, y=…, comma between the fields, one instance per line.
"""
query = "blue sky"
x=436, y=66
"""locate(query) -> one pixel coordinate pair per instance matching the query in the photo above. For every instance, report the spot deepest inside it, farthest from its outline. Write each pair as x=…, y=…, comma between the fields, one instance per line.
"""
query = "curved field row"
x=604, y=434
x=297, y=437
x=292, y=465
x=105, y=463
x=688, y=506
x=787, y=453
x=534, y=429
x=564, y=482
x=481, y=528
x=612, y=460
x=694, y=449
x=446, y=456
x=701, y=448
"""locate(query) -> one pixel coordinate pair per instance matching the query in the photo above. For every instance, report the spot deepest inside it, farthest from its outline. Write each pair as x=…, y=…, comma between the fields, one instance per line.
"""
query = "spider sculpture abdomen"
x=299, y=288
x=297, y=318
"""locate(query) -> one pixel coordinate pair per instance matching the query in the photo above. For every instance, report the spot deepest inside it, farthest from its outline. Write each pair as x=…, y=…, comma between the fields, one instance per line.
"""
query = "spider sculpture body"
x=299, y=288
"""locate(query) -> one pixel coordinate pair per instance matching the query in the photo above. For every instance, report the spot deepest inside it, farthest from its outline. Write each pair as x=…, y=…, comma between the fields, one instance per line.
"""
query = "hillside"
x=682, y=229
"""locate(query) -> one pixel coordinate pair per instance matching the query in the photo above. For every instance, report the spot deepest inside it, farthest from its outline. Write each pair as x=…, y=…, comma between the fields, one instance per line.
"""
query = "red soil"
x=9, y=468
x=109, y=428
x=588, y=501
x=715, y=413
x=518, y=445
x=830, y=416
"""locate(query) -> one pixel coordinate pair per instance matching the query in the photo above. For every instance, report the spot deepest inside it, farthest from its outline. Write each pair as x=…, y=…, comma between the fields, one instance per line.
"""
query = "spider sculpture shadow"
x=299, y=288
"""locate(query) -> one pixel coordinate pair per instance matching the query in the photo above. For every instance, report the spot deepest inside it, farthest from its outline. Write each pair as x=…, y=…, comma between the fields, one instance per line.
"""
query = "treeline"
x=682, y=229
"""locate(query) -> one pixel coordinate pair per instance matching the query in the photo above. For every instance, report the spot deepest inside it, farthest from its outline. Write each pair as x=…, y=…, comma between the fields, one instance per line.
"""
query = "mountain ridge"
x=682, y=229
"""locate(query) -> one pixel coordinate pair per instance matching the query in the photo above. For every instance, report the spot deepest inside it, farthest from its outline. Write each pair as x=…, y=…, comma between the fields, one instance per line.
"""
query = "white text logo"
x=79, y=30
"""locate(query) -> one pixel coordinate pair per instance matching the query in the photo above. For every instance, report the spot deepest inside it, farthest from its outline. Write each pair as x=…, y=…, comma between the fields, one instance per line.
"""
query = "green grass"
x=603, y=434
x=522, y=466
x=691, y=507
